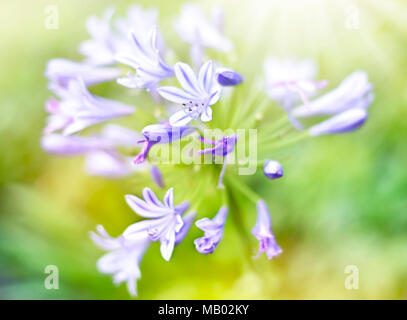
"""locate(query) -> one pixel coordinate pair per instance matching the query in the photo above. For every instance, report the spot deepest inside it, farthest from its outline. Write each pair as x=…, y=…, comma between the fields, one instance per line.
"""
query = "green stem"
x=286, y=142
x=244, y=189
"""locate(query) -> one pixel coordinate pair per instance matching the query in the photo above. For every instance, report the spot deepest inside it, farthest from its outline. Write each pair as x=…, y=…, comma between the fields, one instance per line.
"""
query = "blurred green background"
x=343, y=200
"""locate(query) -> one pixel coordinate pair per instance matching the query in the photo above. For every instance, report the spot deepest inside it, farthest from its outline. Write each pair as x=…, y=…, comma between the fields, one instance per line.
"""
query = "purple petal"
x=157, y=176
x=228, y=77
x=187, y=78
x=346, y=121
x=145, y=210
x=175, y=95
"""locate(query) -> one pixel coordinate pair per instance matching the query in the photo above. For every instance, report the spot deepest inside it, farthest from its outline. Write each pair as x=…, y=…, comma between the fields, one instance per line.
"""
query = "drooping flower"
x=61, y=71
x=123, y=257
x=199, y=93
x=354, y=92
x=79, y=109
x=165, y=220
x=213, y=230
x=346, y=121
x=222, y=148
x=290, y=81
x=272, y=169
x=227, y=77
x=102, y=157
x=262, y=231
x=108, y=39
x=145, y=58
x=160, y=134
x=194, y=28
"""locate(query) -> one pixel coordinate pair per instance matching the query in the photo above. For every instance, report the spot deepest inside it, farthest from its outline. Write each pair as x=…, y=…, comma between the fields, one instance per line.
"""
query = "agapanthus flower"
x=79, y=109
x=108, y=39
x=213, y=230
x=61, y=71
x=145, y=58
x=194, y=28
x=221, y=147
x=162, y=133
x=262, y=231
x=354, y=92
x=123, y=257
x=289, y=81
x=102, y=157
x=199, y=93
x=164, y=220
x=273, y=169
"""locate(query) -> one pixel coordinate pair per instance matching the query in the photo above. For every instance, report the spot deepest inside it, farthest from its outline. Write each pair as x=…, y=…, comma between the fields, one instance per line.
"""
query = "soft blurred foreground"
x=342, y=201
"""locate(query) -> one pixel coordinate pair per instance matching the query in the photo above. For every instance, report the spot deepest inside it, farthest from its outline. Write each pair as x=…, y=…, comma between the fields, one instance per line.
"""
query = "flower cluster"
x=189, y=97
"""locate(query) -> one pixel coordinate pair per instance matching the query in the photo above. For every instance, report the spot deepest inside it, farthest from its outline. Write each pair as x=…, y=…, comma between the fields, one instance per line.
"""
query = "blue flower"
x=165, y=220
x=123, y=258
x=199, y=93
x=262, y=231
x=160, y=134
x=227, y=77
x=146, y=60
x=213, y=232
x=79, y=109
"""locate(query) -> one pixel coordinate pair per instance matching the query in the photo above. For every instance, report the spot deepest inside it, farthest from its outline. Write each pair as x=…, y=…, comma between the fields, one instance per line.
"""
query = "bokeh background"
x=343, y=200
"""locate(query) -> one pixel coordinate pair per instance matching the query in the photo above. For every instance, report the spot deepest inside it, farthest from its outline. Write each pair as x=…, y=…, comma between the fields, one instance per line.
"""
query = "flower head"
x=213, y=232
x=198, y=94
x=146, y=60
x=262, y=231
x=123, y=258
x=79, y=109
x=164, y=223
x=273, y=169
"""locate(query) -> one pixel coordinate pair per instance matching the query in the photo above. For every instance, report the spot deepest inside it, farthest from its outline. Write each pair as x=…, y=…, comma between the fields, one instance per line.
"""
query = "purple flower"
x=100, y=49
x=213, y=230
x=160, y=134
x=289, y=81
x=195, y=29
x=273, y=169
x=62, y=71
x=221, y=147
x=146, y=60
x=346, y=121
x=79, y=109
x=228, y=77
x=354, y=92
x=157, y=176
x=198, y=94
x=123, y=259
x=262, y=231
x=165, y=221
x=102, y=158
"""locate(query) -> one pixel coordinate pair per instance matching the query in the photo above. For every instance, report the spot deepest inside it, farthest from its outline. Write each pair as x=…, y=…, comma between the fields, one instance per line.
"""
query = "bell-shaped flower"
x=160, y=134
x=346, y=121
x=62, y=71
x=164, y=221
x=273, y=169
x=144, y=57
x=123, y=257
x=354, y=92
x=198, y=94
x=79, y=109
x=213, y=230
x=262, y=231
